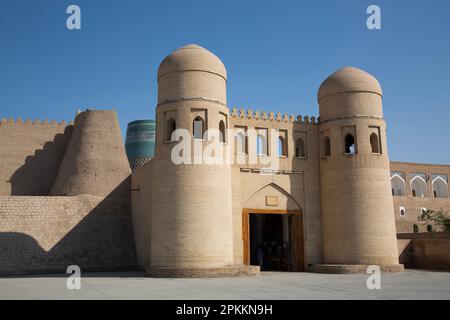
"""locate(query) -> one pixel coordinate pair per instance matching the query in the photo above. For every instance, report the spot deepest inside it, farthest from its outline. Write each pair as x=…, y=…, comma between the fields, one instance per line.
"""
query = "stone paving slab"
x=412, y=284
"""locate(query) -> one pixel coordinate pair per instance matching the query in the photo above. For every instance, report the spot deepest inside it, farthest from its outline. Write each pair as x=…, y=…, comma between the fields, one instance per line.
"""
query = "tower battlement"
x=28, y=121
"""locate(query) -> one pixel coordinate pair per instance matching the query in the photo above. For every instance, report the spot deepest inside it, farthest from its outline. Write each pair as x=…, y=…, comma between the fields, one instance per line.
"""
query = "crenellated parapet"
x=271, y=116
x=28, y=121
x=30, y=155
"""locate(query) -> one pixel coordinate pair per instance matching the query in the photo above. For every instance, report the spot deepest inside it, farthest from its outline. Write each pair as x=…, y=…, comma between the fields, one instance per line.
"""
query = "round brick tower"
x=356, y=200
x=95, y=161
x=191, y=222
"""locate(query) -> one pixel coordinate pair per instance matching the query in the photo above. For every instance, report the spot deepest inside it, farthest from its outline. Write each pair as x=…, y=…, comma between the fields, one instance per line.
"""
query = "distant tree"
x=435, y=220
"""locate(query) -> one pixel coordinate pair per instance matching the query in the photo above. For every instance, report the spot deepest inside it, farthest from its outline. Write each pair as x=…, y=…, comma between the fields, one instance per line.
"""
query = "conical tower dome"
x=95, y=161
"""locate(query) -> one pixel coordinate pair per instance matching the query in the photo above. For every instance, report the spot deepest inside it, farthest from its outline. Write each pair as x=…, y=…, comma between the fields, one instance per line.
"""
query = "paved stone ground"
x=412, y=284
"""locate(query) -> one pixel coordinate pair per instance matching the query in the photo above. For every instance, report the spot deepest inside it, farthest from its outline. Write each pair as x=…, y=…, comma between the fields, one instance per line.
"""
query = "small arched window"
x=375, y=143
x=326, y=147
x=241, y=145
x=198, y=128
x=282, y=147
x=300, y=149
x=349, y=144
x=222, y=131
x=261, y=146
x=171, y=126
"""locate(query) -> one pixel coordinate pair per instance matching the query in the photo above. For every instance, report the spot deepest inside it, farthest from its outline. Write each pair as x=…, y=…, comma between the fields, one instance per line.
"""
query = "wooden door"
x=246, y=237
x=296, y=230
x=297, y=226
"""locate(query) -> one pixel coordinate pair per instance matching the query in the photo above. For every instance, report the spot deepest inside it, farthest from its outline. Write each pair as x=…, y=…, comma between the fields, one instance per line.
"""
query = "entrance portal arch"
x=273, y=200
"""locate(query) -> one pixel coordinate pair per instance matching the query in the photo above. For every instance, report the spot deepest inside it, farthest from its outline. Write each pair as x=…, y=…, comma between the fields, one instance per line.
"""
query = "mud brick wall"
x=30, y=155
x=425, y=250
x=47, y=234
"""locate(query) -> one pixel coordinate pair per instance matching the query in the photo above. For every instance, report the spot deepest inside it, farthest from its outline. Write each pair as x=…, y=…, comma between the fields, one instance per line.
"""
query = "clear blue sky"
x=277, y=53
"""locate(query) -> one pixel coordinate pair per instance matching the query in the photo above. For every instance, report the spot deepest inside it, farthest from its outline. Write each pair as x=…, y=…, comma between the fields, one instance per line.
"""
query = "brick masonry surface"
x=47, y=234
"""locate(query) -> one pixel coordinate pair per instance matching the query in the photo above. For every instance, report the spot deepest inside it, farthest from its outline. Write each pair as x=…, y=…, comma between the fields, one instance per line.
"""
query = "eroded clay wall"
x=95, y=161
x=30, y=155
x=47, y=234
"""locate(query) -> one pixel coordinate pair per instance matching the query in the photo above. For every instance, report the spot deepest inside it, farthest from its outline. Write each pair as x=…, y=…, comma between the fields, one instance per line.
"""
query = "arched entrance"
x=272, y=230
x=273, y=239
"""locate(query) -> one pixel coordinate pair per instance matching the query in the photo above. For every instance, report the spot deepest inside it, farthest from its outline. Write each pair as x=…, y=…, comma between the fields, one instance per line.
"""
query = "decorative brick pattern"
x=136, y=163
